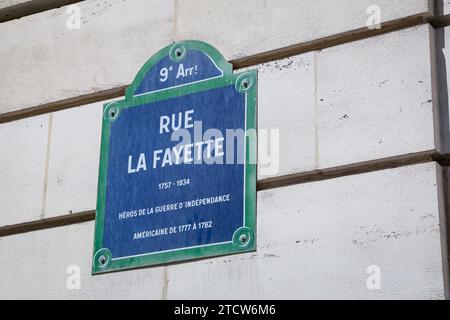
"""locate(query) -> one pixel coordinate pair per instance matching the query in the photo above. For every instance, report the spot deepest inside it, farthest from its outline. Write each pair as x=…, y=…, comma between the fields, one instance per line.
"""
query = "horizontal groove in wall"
x=331, y=41
x=352, y=169
x=265, y=184
x=31, y=7
x=252, y=60
x=63, y=104
x=440, y=22
x=47, y=223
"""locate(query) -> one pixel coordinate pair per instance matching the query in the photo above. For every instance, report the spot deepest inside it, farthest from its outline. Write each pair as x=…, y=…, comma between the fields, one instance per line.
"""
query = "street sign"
x=177, y=178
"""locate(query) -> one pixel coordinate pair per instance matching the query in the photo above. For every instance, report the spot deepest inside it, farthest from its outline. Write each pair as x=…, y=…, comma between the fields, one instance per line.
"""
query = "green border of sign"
x=244, y=239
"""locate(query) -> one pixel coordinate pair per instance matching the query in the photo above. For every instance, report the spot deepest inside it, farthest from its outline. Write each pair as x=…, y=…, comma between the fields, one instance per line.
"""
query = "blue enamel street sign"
x=177, y=176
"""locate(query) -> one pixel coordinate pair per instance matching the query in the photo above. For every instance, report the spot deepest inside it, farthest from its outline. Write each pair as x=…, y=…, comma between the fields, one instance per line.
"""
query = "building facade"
x=353, y=195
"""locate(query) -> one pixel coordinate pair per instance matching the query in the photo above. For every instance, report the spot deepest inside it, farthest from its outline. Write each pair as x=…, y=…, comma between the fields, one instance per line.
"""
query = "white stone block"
x=45, y=61
x=241, y=28
x=375, y=98
x=23, y=153
x=42, y=56
x=74, y=160
x=359, y=108
x=286, y=109
x=317, y=241
x=35, y=265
